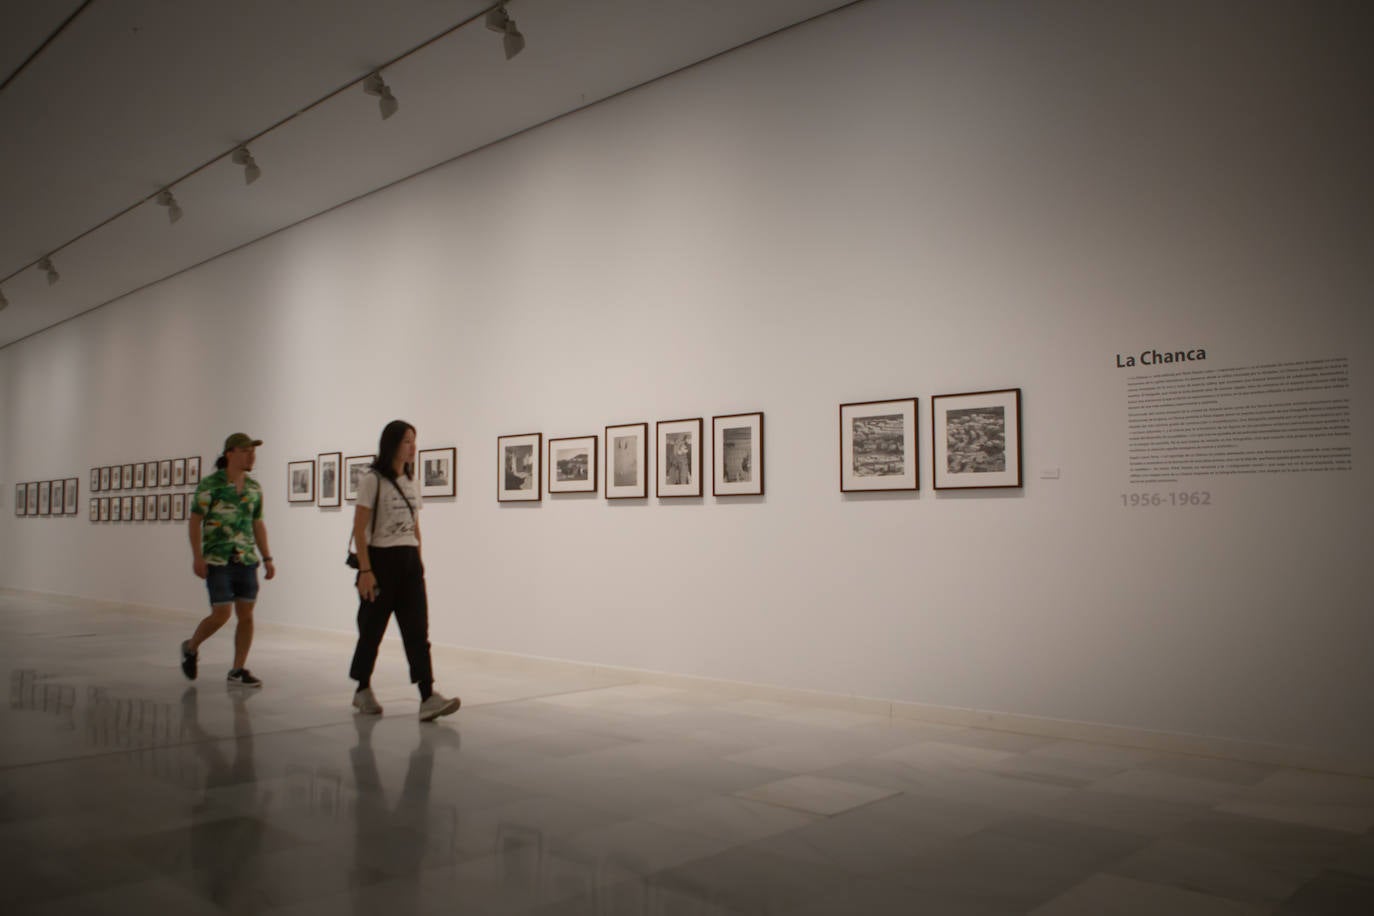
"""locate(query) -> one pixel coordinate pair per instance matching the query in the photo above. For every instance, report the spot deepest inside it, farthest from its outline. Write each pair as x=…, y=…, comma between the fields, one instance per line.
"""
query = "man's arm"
x=260, y=535
x=198, y=563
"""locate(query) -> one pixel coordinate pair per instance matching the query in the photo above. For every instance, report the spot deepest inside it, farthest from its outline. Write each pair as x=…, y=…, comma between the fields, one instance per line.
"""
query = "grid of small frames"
x=143, y=491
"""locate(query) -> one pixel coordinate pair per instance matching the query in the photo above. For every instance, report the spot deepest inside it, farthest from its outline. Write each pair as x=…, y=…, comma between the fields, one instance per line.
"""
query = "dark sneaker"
x=244, y=678
x=188, y=661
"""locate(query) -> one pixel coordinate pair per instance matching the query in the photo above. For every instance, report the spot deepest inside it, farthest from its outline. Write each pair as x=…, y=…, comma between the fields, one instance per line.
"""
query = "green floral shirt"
x=228, y=519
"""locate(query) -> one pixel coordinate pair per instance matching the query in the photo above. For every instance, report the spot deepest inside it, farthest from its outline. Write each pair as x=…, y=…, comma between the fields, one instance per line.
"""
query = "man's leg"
x=218, y=617
x=243, y=631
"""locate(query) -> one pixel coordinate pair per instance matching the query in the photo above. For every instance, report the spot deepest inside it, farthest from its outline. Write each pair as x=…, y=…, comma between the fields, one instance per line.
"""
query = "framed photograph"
x=126, y=511
x=116, y=507
x=355, y=467
x=59, y=504
x=95, y=509
x=976, y=439
x=178, y=507
x=150, y=474
x=139, y=506
x=116, y=477
x=518, y=470
x=737, y=449
x=150, y=507
x=878, y=446
x=438, y=470
x=45, y=497
x=627, y=461
x=179, y=472
x=126, y=476
x=300, y=481
x=164, y=506
x=572, y=465
x=95, y=480
x=21, y=500
x=164, y=472
x=679, y=457
x=30, y=499
x=140, y=476
x=104, y=479
x=329, y=464
x=70, y=496
x=193, y=470
x=105, y=508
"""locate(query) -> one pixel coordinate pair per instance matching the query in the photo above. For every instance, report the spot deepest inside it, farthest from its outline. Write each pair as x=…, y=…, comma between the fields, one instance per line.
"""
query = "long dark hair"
x=387, y=447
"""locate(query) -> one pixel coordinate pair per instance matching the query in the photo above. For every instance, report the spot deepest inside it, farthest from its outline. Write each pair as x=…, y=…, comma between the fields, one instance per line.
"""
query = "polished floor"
x=125, y=789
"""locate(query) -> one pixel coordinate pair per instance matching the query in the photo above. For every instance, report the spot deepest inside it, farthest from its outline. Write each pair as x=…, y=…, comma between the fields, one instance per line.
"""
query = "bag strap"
x=403, y=496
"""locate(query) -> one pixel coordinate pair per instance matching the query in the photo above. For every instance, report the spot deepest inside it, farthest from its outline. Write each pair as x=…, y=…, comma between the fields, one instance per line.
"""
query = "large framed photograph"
x=878, y=446
x=150, y=507
x=21, y=500
x=178, y=507
x=31, y=499
x=627, y=461
x=45, y=497
x=519, y=461
x=70, y=496
x=193, y=470
x=976, y=439
x=126, y=476
x=164, y=506
x=330, y=466
x=737, y=446
x=355, y=467
x=178, y=472
x=150, y=474
x=59, y=505
x=572, y=464
x=438, y=472
x=300, y=481
x=679, y=457
x=164, y=472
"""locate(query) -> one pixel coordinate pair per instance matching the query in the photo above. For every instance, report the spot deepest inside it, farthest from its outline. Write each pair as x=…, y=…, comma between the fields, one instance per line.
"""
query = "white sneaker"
x=366, y=703
x=438, y=705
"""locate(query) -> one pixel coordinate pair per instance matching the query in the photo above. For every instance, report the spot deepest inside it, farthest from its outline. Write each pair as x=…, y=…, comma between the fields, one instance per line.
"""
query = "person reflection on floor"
x=224, y=851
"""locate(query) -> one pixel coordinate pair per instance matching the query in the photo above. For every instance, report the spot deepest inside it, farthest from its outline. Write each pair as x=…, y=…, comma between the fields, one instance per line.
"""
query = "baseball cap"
x=240, y=440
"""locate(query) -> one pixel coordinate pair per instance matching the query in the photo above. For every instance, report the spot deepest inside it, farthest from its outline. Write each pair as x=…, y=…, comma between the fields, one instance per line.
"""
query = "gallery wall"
x=900, y=199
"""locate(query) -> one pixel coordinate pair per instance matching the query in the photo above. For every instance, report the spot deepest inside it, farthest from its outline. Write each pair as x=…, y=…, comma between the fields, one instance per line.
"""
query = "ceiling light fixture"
x=45, y=265
x=251, y=172
x=165, y=199
x=375, y=85
x=498, y=20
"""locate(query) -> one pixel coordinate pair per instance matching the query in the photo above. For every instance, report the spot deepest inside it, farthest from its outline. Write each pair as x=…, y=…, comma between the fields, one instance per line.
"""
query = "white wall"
x=899, y=199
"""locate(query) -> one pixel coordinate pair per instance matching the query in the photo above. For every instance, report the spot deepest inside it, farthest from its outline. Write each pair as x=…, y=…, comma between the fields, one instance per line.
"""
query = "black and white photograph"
x=518, y=467
x=193, y=470
x=150, y=507
x=572, y=464
x=94, y=509
x=355, y=467
x=126, y=477
x=116, y=477
x=95, y=480
x=438, y=468
x=126, y=509
x=140, y=476
x=21, y=505
x=58, y=503
x=679, y=457
x=45, y=497
x=70, y=496
x=878, y=446
x=31, y=499
x=178, y=472
x=164, y=472
x=627, y=461
x=300, y=481
x=178, y=507
x=105, y=508
x=329, y=491
x=164, y=505
x=737, y=444
x=117, y=508
x=104, y=479
x=139, y=506
x=150, y=474
x=976, y=439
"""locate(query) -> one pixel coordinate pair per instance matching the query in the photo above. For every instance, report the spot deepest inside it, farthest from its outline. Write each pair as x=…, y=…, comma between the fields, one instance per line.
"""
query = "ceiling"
x=132, y=96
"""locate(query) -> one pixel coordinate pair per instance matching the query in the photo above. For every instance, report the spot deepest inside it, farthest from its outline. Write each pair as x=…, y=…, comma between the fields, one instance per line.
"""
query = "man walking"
x=227, y=539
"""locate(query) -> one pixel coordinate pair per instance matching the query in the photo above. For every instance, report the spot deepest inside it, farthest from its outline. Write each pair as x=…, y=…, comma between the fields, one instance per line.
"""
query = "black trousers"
x=401, y=591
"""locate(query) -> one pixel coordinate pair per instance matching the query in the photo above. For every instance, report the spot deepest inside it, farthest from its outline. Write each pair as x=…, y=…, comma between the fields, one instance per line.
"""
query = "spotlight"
x=45, y=265
x=251, y=172
x=375, y=85
x=165, y=199
x=498, y=20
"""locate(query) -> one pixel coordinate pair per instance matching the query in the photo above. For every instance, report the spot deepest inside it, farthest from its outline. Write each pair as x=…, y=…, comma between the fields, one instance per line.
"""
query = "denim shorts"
x=232, y=582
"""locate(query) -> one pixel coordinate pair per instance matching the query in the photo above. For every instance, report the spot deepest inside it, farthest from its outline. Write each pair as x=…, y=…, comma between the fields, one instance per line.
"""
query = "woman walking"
x=391, y=576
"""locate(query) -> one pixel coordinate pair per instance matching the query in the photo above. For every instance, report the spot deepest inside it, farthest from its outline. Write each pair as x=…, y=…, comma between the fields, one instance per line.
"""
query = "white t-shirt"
x=394, y=525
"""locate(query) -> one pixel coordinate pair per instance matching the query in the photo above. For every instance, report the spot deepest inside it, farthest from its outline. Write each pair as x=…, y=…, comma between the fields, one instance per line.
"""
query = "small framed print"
x=627, y=461
x=300, y=481
x=70, y=496
x=126, y=476
x=179, y=472
x=105, y=508
x=572, y=465
x=976, y=439
x=45, y=497
x=164, y=505
x=95, y=509
x=138, y=508
x=104, y=479
x=327, y=479
x=355, y=467
x=150, y=507
x=878, y=446
x=679, y=458
x=150, y=474
x=140, y=475
x=21, y=500
x=116, y=507
x=518, y=467
x=126, y=511
x=178, y=507
x=116, y=477
x=737, y=450
x=438, y=469
x=30, y=499
x=193, y=470
x=95, y=480
x=164, y=472
x=59, y=505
